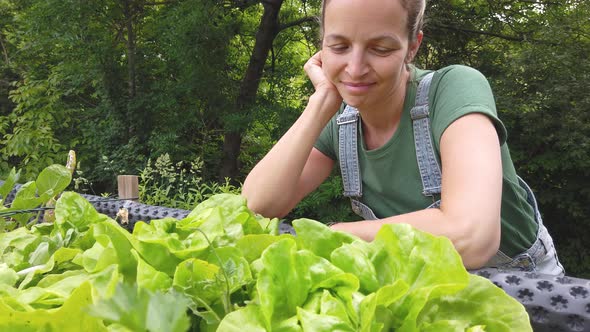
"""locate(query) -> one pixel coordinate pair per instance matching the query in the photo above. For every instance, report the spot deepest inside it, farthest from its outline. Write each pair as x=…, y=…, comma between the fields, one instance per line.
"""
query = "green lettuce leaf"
x=8, y=184
x=59, y=257
x=374, y=315
x=249, y=318
x=73, y=211
x=353, y=258
x=228, y=210
x=480, y=303
x=53, y=180
x=399, y=252
x=138, y=309
x=199, y=280
x=319, y=238
x=121, y=242
x=150, y=278
x=25, y=198
x=16, y=247
x=234, y=268
x=7, y=275
x=71, y=317
x=101, y=255
x=284, y=282
x=313, y=322
x=253, y=245
x=157, y=241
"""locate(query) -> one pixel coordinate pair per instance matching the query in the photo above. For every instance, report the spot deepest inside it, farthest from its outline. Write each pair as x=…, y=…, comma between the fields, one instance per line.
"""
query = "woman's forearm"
x=475, y=240
x=272, y=183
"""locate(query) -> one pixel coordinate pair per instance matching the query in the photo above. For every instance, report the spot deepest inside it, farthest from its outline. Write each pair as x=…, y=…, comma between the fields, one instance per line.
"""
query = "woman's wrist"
x=325, y=102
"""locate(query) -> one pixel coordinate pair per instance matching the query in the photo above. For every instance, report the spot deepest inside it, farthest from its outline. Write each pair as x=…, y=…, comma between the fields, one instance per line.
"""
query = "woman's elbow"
x=480, y=256
x=481, y=243
x=264, y=207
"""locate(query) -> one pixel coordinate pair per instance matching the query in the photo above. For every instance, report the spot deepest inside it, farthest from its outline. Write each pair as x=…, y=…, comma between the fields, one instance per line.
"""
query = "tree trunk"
x=267, y=31
x=129, y=12
x=130, y=45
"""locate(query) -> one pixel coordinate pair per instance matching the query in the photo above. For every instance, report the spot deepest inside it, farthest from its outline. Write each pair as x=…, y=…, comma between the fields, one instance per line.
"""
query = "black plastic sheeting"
x=553, y=303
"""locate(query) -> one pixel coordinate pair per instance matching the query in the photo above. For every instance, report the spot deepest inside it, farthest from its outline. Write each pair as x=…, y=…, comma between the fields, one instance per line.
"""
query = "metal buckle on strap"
x=522, y=262
x=349, y=115
x=419, y=112
x=355, y=194
x=341, y=122
x=347, y=118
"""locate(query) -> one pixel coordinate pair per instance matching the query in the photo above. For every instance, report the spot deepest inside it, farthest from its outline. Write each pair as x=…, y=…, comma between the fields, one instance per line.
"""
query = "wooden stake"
x=128, y=187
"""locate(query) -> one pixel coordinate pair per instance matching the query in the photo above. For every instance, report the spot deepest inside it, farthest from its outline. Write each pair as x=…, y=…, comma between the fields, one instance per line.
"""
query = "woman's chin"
x=354, y=101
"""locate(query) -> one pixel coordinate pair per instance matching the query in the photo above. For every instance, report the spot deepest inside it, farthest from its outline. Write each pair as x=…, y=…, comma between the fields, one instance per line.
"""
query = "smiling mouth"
x=360, y=88
x=358, y=85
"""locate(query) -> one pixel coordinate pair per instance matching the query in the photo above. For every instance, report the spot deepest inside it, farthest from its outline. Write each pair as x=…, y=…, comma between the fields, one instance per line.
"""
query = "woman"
x=435, y=158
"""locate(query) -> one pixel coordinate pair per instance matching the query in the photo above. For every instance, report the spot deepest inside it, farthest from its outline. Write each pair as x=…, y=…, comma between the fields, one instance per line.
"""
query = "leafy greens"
x=223, y=268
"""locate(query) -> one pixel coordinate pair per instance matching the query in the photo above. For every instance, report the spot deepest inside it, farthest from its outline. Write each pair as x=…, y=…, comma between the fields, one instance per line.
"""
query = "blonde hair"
x=415, y=9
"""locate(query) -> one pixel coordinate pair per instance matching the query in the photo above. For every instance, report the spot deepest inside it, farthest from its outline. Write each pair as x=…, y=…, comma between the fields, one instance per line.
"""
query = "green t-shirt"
x=390, y=175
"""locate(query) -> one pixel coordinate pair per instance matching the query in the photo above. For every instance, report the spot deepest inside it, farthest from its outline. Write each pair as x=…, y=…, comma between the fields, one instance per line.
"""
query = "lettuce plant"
x=223, y=268
x=32, y=197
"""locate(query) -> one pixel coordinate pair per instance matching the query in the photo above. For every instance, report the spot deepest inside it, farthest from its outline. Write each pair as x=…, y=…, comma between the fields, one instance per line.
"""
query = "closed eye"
x=338, y=48
x=382, y=50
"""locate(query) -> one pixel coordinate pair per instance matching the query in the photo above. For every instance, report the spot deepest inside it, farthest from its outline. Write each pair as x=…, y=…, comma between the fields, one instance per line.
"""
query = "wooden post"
x=128, y=187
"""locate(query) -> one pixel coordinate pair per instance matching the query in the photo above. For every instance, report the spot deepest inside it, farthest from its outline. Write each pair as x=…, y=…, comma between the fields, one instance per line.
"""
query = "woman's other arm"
x=471, y=193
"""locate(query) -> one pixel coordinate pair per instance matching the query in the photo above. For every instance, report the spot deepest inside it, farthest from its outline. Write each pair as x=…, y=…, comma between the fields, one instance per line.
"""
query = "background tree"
x=268, y=29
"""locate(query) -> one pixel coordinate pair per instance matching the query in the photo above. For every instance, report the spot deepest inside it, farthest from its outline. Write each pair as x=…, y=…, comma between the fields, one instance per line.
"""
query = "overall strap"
x=348, y=151
x=427, y=163
x=349, y=161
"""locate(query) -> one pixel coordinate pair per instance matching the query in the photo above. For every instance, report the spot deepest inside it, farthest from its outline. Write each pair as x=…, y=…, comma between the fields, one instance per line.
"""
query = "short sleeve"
x=461, y=90
x=326, y=142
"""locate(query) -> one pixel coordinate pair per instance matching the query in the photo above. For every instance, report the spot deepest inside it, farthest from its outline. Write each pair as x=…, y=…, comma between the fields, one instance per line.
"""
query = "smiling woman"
x=365, y=55
x=414, y=146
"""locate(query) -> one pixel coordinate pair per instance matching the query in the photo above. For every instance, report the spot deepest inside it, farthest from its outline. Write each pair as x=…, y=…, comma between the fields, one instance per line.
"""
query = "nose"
x=357, y=66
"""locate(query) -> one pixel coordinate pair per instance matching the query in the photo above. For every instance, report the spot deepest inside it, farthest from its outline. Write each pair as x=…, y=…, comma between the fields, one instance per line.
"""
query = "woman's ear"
x=414, y=46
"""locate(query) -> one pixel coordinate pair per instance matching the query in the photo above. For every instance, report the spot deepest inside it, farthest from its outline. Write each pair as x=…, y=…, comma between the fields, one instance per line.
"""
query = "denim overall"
x=540, y=257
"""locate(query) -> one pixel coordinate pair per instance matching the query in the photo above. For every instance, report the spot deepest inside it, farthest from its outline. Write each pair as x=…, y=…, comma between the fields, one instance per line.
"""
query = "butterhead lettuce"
x=223, y=268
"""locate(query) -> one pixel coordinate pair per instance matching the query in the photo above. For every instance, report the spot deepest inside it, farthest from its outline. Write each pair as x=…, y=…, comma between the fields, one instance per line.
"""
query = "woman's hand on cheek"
x=326, y=95
x=315, y=72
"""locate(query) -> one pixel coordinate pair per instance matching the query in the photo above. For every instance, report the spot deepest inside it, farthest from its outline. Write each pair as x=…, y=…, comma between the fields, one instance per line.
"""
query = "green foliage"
x=33, y=122
x=178, y=185
x=53, y=63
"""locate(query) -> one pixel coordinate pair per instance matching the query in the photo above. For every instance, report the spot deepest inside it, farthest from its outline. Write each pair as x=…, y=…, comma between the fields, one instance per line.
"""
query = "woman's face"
x=365, y=49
